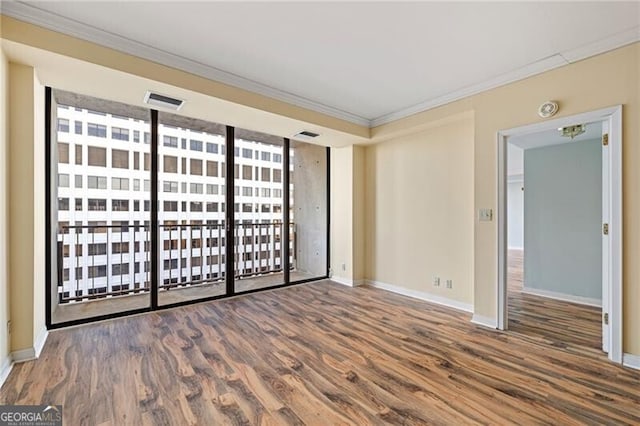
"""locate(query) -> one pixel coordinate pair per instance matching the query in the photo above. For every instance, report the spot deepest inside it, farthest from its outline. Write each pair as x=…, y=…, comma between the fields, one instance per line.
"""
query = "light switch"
x=485, y=215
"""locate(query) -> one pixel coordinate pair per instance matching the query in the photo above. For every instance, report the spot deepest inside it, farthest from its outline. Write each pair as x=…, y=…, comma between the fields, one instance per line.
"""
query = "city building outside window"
x=170, y=141
x=97, y=130
x=97, y=156
x=63, y=125
x=63, y=153
x=119, y=133
x=119, y=159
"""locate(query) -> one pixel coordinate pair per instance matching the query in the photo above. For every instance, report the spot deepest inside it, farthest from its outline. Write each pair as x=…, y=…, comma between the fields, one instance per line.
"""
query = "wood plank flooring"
x=93, y=308
x=572, y=326
x=318, y=354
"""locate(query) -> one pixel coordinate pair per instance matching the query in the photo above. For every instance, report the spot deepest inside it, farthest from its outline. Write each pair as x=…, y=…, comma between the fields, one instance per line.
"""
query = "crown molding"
x=615, y=41
x=33, y=15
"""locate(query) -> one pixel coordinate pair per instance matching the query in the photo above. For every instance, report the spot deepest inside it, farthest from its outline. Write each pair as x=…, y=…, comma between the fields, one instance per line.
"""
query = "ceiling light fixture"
x=572, y=131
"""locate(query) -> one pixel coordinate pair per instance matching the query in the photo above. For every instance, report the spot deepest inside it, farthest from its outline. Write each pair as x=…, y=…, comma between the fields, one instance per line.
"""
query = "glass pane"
x=192, y=209
x=100, y=216
x=308, y=214
x=258, y=226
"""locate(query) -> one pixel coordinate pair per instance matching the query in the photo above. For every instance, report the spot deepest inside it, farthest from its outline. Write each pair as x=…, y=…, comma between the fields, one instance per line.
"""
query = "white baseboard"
x=428, y=297
x=32, y=353
x=561, y=296
x=40, y=341
x=484, y=321
x=5, y=369
x=631, y=361
x=347, y=281
x=23, y=355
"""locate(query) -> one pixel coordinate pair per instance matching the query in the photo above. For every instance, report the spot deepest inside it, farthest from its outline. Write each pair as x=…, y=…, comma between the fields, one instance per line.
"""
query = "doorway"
x=559, y=226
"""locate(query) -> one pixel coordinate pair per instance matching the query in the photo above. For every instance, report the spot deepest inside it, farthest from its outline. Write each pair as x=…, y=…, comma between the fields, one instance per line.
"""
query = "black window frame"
x=230, y=153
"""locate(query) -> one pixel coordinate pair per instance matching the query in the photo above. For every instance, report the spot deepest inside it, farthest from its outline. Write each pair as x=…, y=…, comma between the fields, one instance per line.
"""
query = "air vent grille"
x=163, y=101
x=305, y=135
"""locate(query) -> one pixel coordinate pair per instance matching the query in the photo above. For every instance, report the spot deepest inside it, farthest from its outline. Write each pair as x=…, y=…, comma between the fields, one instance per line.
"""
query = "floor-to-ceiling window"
x=130, y=234
x=100, y=207
x=259, y=216
x=191, y=182
x=308, y=192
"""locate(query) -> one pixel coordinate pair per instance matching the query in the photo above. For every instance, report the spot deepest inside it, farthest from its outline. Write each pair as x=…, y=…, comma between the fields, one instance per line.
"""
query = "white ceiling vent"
x=163, y=101
x=305, y=135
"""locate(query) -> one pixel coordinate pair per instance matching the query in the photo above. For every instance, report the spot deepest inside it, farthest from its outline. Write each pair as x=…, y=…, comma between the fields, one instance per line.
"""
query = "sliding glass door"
x=152, y=209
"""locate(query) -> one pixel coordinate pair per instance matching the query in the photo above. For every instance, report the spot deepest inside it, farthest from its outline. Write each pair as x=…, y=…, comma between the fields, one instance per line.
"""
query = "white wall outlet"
x=449, y=283
x=485, y=215
x=436, y=281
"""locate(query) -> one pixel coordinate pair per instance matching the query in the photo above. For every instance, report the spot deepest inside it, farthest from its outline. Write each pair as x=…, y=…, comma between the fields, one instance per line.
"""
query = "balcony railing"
x=99, y=261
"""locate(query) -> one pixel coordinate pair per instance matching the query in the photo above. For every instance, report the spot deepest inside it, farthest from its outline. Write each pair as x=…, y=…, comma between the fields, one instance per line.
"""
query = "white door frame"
x=612, y=251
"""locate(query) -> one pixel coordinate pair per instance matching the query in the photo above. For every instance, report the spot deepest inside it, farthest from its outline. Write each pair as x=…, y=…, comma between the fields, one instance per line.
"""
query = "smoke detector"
x=164, y=101
x=305, y=135
x=548, y=109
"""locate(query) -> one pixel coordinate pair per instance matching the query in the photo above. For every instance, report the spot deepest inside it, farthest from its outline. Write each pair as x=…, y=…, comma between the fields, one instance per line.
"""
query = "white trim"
x=631, y=361
x=347, y=281
x=589, y=301
x=40, y=341
x=34, y=15
x=428, y=297
x=32, y=353
x=484, y=321
x=23, y=355
x=613, y=117
x=515, y=248
x=615, y=236
x=5, y=369
x=29, y=13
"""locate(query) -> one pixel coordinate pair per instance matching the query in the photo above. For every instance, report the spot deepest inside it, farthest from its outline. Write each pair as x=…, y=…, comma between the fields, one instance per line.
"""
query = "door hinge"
x=605, y=139
x=605, y=228
x=605, y=318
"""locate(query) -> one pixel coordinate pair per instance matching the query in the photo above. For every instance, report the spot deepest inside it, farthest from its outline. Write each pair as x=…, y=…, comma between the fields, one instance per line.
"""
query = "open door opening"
x=559, y=223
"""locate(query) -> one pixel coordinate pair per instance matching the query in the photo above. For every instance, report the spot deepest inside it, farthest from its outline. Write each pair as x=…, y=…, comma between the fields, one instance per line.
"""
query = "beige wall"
x=26, y=204
x=347, y=217
x=419, y=210
x=359, y=223
x=4, y=238
x=341, y=229
x=604, y=80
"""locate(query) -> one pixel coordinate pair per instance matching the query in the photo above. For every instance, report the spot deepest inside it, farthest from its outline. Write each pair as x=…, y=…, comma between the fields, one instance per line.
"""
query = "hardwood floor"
x=94, y=308
x=318, y=354
x=572, y=326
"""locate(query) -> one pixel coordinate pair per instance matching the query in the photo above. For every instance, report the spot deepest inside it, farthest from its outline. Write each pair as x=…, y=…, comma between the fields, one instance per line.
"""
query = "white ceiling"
x=367, y=62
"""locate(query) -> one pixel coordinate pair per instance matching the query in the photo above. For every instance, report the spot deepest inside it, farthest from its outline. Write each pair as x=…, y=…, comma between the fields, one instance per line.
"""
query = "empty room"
x=350, y=213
